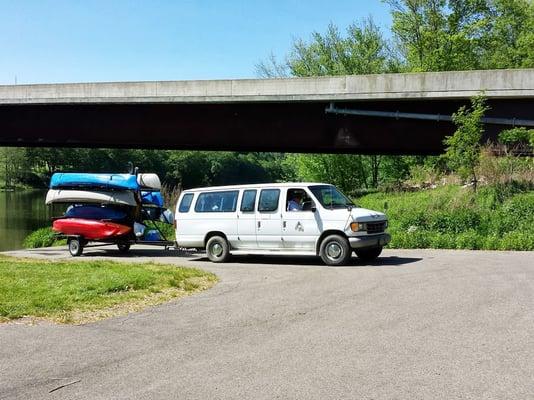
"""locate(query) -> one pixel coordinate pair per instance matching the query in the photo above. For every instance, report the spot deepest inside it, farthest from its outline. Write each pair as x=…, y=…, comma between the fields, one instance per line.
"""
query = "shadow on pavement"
x=312, y=260
x=242, y=259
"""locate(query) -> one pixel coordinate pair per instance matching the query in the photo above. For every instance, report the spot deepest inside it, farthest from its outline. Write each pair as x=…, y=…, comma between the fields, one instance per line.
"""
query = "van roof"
x=257, y=186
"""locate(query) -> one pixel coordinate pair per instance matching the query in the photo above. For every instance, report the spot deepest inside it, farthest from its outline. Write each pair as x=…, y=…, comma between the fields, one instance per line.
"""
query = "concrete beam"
x=496, y=84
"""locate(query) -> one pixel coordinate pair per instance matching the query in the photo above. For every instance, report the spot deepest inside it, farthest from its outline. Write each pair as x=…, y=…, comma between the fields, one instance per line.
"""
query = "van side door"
x=301, y=226
x=246, y=220
x=268, y=220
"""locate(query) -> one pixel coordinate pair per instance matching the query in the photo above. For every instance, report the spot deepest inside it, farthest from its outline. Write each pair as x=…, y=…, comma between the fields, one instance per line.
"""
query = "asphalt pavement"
x=415, y=324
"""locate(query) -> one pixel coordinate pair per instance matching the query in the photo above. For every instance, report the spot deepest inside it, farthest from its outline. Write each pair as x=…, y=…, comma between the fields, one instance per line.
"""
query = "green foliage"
x=347, y=172
x=445, y=35
x=456, y=218
x=44, y=237
x=166, y=229
x=59, y=290
x=517, y=137
x=463, y=148
x=361, y=50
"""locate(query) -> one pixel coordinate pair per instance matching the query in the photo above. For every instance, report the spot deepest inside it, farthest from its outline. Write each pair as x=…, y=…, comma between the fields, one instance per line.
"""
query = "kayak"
x=152, y=198
x=95, y=212
x=126, y=198
x=149, y=181
x=90, y=229
x=94, y=181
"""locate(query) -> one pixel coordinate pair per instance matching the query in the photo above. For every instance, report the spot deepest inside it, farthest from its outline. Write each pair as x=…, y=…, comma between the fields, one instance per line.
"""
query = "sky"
x=118, y=40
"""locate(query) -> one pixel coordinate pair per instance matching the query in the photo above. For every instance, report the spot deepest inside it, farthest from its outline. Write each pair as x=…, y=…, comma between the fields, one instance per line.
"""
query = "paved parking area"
x=417, y=324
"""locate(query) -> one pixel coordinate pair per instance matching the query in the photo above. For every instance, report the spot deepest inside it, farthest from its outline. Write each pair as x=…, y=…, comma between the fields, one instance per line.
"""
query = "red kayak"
x=90, y=229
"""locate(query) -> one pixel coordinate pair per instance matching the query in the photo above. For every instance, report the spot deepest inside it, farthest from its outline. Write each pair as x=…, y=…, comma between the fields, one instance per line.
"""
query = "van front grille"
x=376, y=227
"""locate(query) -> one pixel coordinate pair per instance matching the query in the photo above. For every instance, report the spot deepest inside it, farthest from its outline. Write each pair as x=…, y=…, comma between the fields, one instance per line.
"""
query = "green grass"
x=166, y=229
x=82, y=291
x=451, y=217
x=43, y=237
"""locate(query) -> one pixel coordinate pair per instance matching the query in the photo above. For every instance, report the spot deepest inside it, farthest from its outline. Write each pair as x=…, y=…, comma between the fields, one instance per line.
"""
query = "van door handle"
x=284, y=224
x=259, y=224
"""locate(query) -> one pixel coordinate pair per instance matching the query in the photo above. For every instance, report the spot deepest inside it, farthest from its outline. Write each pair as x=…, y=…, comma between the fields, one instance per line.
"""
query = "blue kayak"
x=97, y=181
x=152, y=198
x=95, y=212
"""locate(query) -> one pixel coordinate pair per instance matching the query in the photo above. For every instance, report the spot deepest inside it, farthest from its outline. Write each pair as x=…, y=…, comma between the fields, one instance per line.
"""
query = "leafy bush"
x=517, y=241
x=516, y=136
x=44, y=237
x=497, y=217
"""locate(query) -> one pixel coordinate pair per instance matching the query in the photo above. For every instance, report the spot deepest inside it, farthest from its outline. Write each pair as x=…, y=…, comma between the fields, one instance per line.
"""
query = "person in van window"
x=295, y=203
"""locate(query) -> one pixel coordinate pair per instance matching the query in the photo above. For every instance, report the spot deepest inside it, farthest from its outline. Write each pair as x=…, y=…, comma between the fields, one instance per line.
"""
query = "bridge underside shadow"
x=268, y=126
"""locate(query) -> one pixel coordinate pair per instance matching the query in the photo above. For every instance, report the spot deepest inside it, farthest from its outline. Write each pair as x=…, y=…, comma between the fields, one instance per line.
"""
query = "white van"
x=278, y=218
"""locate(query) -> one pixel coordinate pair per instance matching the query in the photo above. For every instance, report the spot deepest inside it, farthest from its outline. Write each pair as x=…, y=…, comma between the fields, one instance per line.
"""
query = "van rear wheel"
x=217, y=249
x=335, y=250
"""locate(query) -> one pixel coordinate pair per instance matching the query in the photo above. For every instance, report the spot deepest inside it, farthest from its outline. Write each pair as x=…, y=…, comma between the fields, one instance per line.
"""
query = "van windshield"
x=330, y=197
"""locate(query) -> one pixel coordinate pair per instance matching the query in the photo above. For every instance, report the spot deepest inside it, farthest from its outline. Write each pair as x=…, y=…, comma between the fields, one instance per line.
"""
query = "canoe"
x=94, y=181
x=90, y=229
x=152, y=198
x=126, y=198
x=149, y=181
x=95, y=212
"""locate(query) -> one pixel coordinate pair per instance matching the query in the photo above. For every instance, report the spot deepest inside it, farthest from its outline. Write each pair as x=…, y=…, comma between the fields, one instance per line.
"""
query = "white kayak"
x=149, y=181
x=83, y=196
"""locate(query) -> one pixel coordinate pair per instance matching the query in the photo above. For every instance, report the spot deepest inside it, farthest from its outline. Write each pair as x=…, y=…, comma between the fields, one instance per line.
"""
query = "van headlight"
x=358, y=226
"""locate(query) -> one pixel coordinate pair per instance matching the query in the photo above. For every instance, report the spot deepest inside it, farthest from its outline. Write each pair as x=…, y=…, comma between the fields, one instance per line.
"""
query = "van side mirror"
x=313, y=208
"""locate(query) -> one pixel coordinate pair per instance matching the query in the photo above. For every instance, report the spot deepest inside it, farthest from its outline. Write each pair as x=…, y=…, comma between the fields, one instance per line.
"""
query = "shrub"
x=44, y=237
x=517, y=241
x=469, y=240
x=454, y=221
x=443, y=241
x=495, y=217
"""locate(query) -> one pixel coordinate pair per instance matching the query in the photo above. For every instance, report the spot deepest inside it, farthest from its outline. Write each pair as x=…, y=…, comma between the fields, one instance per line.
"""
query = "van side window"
x=298, y=200
x=185, y=204
x=269, y=200
x=248, y=201
x=217, y=201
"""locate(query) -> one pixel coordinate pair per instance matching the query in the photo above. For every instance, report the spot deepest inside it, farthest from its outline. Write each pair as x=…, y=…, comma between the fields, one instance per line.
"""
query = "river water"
x=22, y=212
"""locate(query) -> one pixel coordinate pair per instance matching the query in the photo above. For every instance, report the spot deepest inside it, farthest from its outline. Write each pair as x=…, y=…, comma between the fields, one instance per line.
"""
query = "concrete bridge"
x=386, y=114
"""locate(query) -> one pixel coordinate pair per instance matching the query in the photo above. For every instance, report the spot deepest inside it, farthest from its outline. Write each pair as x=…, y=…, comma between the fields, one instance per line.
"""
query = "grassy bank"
x=452, y=217
x=77, y=292
x=43, y=237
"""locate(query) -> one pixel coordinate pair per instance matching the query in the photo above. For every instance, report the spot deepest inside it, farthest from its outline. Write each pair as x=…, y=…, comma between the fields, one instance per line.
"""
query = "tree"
x=445, y=35
x=463, y=147
x=346, y=171
x=362, y=49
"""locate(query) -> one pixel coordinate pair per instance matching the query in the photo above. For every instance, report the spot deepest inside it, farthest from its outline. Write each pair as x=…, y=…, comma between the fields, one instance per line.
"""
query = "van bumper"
x=370, y=241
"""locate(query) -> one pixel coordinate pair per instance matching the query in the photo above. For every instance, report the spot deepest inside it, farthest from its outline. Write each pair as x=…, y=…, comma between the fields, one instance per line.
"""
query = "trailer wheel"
x=75, y=247
x=123, y=247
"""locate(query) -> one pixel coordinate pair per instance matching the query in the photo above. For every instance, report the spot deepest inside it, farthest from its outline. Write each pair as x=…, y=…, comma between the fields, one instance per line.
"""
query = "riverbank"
x=455, y=217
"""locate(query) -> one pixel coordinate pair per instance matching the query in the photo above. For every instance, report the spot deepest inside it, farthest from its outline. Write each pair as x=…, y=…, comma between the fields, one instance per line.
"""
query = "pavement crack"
x=64, y=385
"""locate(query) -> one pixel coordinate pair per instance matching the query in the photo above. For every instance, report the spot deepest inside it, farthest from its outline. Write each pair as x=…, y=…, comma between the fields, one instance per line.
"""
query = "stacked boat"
x=104, y=207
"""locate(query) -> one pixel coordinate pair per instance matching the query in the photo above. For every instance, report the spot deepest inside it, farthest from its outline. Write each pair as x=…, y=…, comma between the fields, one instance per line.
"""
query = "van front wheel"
x=335, y=250
x=217, y=249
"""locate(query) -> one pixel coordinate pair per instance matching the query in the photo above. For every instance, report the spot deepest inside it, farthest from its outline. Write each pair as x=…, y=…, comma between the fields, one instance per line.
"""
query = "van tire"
x=217, y=249
x=368, y=254
x=335, y=250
